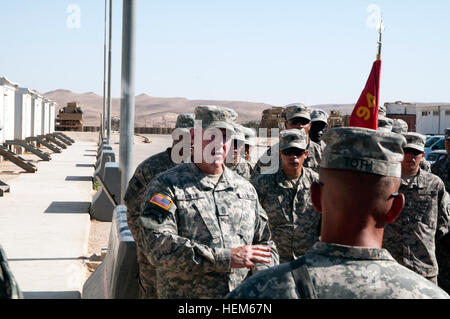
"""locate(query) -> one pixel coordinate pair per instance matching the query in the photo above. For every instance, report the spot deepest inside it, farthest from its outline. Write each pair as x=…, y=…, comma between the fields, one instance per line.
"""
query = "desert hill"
x=156, y=111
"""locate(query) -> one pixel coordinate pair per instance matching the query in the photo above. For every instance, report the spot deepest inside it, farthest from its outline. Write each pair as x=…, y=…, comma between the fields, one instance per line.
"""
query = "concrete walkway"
x=44, y=224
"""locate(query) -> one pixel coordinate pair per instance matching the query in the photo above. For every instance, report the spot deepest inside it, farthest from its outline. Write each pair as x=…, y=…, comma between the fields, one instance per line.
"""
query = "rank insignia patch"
x=161, y=201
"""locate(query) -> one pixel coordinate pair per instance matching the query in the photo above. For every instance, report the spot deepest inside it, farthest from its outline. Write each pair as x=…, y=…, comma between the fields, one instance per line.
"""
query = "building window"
x=424, y=113
x=435, y=113
x=447, y=112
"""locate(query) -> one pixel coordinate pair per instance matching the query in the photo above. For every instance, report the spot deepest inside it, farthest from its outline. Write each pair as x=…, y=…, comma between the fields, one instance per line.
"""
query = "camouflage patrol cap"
x=385, y=124
x=250, y=136
x=239, y=133
x=185, y=120
x=293, y=139
x=447, y=133
x=415, y=141
x=297, y=110
x=363, y=150
x=382, y=110
x=213, y=116
x=319, y=115
x=400, y=126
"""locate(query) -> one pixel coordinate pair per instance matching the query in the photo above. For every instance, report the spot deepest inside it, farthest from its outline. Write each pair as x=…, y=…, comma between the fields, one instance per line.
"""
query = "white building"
x=7, y=109
x=36, y=115
x=400, y=108
x=22, y=124
x=52, y=116
x=45, y=117
x=433, y=119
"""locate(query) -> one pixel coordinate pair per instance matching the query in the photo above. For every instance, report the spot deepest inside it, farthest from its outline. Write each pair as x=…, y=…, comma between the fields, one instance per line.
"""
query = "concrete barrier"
x=108, y=197
x=105, y=157
x=116, y=277
x=105, y=147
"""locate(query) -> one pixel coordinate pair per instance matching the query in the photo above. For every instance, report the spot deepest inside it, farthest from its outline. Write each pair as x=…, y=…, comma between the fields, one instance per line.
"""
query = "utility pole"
x=127, y=102
x=108, y=117
x=103, y=125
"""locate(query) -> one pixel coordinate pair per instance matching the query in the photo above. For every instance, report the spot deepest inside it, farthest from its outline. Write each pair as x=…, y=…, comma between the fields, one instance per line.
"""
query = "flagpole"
x=380, y=29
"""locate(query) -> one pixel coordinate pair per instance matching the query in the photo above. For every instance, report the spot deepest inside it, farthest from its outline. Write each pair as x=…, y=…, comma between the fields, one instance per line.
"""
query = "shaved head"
x=356, y=203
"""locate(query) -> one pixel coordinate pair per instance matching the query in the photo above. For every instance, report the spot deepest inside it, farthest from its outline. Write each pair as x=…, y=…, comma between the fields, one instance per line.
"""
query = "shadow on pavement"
x=68, y=208
x=52, y=295
x=79, y=178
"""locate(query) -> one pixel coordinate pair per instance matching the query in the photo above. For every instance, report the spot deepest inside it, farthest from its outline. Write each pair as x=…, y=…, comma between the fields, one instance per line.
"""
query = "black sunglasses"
x=293, y=151
x=299, y=121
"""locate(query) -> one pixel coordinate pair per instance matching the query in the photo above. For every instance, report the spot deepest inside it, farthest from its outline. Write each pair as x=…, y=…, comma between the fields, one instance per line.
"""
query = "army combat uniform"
x=342, y=272
x=330, y=270
x=441, y=168
x=293, y=221
x=189, y=225
x=242, y=168
x=424, y=220
x=134, y=196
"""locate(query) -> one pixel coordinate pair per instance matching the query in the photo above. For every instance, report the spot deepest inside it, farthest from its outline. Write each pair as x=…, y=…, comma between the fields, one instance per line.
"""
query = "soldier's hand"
x=247, y=256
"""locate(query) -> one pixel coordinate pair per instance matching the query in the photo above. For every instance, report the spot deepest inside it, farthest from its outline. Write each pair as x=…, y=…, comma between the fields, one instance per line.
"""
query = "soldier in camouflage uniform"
x=319, y=123
x=425, y=219
x=286, y=198
x=134, y=196
x=441, y=168
x=360, y=176
x=297, y=116
x=239, y=164
x=9, y=289
x=201, y=224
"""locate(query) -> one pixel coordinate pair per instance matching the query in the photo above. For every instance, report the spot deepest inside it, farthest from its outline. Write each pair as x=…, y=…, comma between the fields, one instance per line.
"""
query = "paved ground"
x=44, y=223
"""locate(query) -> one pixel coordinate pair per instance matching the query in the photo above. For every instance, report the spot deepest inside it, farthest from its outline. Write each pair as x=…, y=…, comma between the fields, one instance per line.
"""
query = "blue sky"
x=276, y=52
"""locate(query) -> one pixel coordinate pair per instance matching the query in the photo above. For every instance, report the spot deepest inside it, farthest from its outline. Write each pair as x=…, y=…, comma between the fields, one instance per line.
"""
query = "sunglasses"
x=293, y=151
x=412, y=151
x=299, y=121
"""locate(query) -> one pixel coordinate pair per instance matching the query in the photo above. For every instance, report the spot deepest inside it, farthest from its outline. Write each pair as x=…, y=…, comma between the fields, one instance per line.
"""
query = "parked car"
x=434, y=143
x=434, y=156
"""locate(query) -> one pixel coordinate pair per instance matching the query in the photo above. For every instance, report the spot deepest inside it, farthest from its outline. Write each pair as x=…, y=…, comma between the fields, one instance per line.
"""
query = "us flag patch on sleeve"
x=161, y=201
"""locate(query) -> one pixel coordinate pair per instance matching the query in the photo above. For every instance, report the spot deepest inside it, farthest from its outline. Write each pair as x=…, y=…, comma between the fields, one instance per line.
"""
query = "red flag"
x=365, y=113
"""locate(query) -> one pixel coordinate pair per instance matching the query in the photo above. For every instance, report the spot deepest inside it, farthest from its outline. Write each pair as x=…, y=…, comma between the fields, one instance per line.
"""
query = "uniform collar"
x=350, y=252
x=281, y=180
x=226, y=180
x=419, y=180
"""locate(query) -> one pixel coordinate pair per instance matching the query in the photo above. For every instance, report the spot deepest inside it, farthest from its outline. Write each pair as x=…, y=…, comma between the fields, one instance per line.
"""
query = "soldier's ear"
x=316, y=195
x=397, y=206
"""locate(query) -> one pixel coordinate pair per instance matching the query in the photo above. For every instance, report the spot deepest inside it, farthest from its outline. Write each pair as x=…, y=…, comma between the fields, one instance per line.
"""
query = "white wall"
x=9, y=96
x=36, y=116
x=433, y=119
x=22, y=123
x=52, y=117
x=397, y=108
x=45, y=117
x=2, y=138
